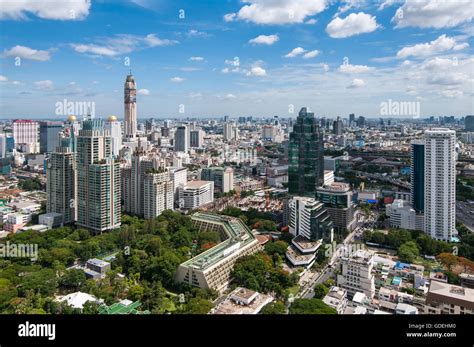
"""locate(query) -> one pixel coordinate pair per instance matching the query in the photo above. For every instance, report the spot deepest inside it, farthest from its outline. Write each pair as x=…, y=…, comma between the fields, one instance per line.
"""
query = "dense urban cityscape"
x=225, y=172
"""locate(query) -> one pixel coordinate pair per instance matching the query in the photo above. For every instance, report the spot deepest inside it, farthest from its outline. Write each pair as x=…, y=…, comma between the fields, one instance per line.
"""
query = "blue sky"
x=254, y=57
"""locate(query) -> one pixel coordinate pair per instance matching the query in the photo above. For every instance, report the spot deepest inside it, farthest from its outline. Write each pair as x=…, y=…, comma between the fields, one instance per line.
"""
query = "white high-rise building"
x=440, y=183
x=26, y=135
x=228, y=131
x=3, y=145
x=158, y=193
x=130, y=104
x=115, y=130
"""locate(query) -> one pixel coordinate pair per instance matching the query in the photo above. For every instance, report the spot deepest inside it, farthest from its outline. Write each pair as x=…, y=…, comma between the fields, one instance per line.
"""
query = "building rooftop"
x=196, y=184
x=456, y=294
x=97, y=262
x=239, y=235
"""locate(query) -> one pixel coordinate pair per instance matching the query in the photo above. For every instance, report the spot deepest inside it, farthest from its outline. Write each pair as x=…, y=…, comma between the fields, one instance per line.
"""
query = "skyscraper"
x=98, y=179
x=305, y=156
x=440, y=183
x=130, y=102
x=49, y=136
x=181, y=139
x=61, y=183
x=469, y=123
x=418, y=176
x=338, y=126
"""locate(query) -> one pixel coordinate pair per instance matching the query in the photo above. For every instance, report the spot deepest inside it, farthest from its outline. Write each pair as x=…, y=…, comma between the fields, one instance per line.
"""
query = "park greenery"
x=147, y=254
x=30, y=184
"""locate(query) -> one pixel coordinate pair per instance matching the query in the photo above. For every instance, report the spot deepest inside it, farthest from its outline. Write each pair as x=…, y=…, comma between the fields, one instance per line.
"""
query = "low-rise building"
x=242, y=301
x=445, y=298
x=211, y=269
x=356, y=274
x=337, y=299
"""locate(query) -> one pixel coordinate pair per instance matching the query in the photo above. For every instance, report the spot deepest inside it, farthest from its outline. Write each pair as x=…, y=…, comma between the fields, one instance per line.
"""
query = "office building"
x=196, y=138
x=469, y=123
x=130, y=108
x=181, y=139
x=26, y=135
x=338, y=127
x=440, y=183
x=351, y=119
x=196, y=194
x=115, y=129
x=158, y=193
x=309, y=218
x=337, y=199
x=49, y=135
x=211, y=269
x=404, y=216
x=305, y=156
x=98, y=179
x=356, y=273
x=223, y=178
x=3, y=146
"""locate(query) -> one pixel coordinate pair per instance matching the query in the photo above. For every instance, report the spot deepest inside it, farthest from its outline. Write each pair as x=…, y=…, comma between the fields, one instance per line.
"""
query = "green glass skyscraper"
x=305, y=156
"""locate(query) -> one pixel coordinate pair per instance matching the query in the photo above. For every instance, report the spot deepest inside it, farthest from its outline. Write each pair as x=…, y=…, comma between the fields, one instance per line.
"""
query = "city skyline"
x=191, y=60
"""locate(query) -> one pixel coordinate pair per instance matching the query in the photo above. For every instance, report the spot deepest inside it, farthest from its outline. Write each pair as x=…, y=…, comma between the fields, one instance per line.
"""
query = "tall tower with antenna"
x=130, y=105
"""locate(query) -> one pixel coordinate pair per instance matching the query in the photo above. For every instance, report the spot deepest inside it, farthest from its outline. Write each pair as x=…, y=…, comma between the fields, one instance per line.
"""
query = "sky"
x=211, y=58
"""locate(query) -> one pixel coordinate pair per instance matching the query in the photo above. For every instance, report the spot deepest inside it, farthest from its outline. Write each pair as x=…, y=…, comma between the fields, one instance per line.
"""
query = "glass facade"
x=305, y=156
x=418, y=177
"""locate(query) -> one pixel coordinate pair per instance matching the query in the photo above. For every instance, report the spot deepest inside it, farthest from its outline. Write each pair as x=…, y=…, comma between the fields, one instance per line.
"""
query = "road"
x=328, y=271
x=465, y=214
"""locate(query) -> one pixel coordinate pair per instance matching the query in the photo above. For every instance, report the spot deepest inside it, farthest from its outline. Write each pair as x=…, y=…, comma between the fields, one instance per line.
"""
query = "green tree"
x=310, y=306
x=408, y=252
x=320, y=291
x=73, y=279
x=275, y=307
x=277, y=247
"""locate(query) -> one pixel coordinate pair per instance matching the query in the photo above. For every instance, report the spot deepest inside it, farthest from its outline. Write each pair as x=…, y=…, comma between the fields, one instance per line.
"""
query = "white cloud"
x=356, y=83
x=230, y=96
x=311, y=54
x=57, y=10
x=177, y=79
x=121, y=44
x=195, y=95
x=433, y=13
x=325, y=67
x=295, y=52
x=3, y=78
x=451, y=93
x=349, y=68
x=153, y=41
x=27, y=53
x=257, y=71
x=353, y=24
x=44, y=85
x=277, y=11
x=196, y=59
x=264, y=40
x=197, y=33
x=95, y=50
x=441, y=44
x=145, y=92
x=311, y=21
